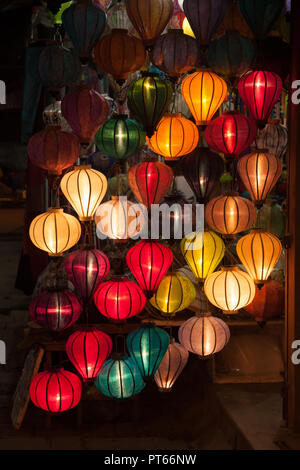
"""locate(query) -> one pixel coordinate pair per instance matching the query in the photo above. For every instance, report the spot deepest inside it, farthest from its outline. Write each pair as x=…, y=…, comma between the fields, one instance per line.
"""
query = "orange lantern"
x=268, y=302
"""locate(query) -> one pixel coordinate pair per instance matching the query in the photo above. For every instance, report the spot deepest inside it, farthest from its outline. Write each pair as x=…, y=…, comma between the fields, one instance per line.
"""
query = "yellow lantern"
x=187, y=28
x=259, y=252
x=54, y=231
x=204, y=92
x=171, y=366
x=229, y=289
x=84, y=188
x=203, y=251
x=174, y=293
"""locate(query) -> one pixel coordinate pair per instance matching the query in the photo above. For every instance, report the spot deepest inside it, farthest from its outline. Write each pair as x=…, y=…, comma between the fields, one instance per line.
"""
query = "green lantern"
x=147, y=346
x=149, y=99
x=120, y=137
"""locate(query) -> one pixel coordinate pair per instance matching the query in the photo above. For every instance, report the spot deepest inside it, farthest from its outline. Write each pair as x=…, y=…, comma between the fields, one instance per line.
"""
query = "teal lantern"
x=260, y=15
x=120, y=378
x=120, y=137
x=147, y=346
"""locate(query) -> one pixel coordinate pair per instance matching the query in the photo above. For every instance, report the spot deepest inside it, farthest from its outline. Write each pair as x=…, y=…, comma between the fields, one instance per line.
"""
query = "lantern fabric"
x=171, y=366
x=174, y=136
x=260, y=90
x=175, y=216
x=231, y=133
x=203, y=251
x=274, y=55
x=259, y=173
x=174, y=293
x=272, y=218
x=53, y=150
x=261, y=15
x=85, y=189
x=55, y=391
x=119, y=299
x=85, y=110
x=149, y=17
x=120, y=378
x=204, y=335
x=86, y=269
x=88, y=349
x=149, y=261
x=58, y=66
x=268, y=302
x=204, y=92
x=273, y=137
x=229, y=289
x=54, y=231
x=147, y=346
x=148, y=99
x=55, y=310
x=259, y=252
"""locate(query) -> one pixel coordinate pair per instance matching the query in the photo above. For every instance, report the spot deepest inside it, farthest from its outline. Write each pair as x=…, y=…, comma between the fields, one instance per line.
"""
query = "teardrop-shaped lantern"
x=273, y=137
x=174, y=293
x=204, y=16
x=171, y=366
x=58, y=66
x=260, y=15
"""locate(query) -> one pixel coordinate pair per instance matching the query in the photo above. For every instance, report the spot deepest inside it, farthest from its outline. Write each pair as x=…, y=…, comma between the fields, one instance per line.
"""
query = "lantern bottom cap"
x=164, y=390
x=86, y=219
x=230, y=312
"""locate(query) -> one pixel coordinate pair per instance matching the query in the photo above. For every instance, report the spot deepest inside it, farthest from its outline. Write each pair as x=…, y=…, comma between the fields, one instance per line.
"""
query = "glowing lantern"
x=203, y=251
x=174, y=136
x=204, y=92
x=273, y=137
x=55, y=391
x=204, y=335
x=204, y=16
x=171, y=366
x=54, y=231
x=261, y=15
x=119, y=299
x=259, y=252
x=55, y=310
x=187, y=28
x=58, y=66
x=147, y=346
x=268, y=302
x=174, y=293
x=259, y=172
x=260, y=90
x=149, y=261
x=229, y=289
x=88, y=349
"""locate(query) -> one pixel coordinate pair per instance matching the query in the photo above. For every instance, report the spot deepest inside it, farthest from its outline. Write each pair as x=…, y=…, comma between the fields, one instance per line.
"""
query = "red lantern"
x=88, y=349
x=119, y=299
x=231, y=133
x=149, y=261
x=260, y=90
x=86, y=111
x=53, y=150
x=55, y=310
x=55, y=391
x=268, y=302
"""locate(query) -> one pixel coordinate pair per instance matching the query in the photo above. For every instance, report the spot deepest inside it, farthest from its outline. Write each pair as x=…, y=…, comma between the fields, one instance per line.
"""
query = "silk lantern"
x=260, y=15
x=268, y=302
x=171, y=366
x=58, y=66
x=273, y=137
x=174, y=293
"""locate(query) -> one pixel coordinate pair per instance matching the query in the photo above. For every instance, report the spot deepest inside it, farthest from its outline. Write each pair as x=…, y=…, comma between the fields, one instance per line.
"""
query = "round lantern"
x=174, y=136
x=88, y=349
x=202, y=170
x=260, y=90
x=55, y=310
x=230, y=214
x=171, y=366
x=149, y=17
x=147, y=346
x=204, y=17
x=58, y=66
x=203, y=251
x=259, y=172
x=85, y=110
x=268, y=302
x=231, y=133
x=119, y=54
x=53, y=150
x=148, y=99
x=204, y=92
x=55, y=391
x=229, y=289
x=259, y=252
x=120, y=378
x=273, y=137
x=54, y=231
x=204, y=335
x=174, y=293
x=84, y=188
x=149, y=261
x=86, y=269
x=261, y=15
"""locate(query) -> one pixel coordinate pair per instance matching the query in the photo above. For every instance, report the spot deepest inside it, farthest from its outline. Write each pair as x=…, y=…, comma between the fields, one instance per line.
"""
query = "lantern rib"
x=46, y=396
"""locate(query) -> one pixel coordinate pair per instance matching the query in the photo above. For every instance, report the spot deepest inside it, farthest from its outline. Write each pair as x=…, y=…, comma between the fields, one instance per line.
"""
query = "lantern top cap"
x=119, y=30
x=55, y=210
x=230, y=194
x=172, y=115
x=203, y=315
x=82, y=167
x=229, y=268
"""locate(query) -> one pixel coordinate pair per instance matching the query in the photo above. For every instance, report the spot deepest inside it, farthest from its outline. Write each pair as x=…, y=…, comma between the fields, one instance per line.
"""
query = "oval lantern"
x=204, y=335
x=204, y=92
x=229, y=289
x=259, y=252
x=55, y=391
x=273, y=137
x=259, y=173
x=174, y=293
x=204, y=16
x=54, y=231
x=171, y=366
x=268, y=302
x=58, y=66
x=55, y=310
x=147, y=346
x=260, y=15
x=88, y=349
x=149, y=261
